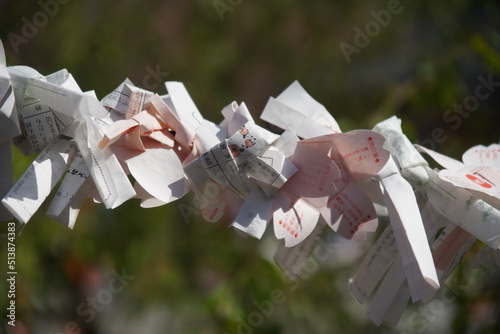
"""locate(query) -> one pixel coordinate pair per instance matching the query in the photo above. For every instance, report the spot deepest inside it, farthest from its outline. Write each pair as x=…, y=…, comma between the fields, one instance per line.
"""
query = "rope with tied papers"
x=306, y=178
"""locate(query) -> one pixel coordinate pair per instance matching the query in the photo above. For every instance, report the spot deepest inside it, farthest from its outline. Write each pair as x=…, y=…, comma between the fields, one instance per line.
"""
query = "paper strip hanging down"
x=374, y=266
x=403, y=210
x=410, y=234
x=291, y=259
x=249, y=165
x=9, y=128
x=325, y=186
x=450, y=202
x=434, y=194
x=247, y=175
x=109, y=177
x=24, y=199
x=295, y=109
x=479, y=174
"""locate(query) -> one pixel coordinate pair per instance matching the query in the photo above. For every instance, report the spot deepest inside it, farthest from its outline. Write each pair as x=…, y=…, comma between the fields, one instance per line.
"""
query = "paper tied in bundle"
x=325, y=185
x=396, y=193
x=154, y=136
x=239, y=176
x=382, y=269
x=451, y=231
x=461, y=202
x=322, y=185
x=319, y=175
x=9, y=128
x=295, y=109
x=457, y=193
x=479, y=172
x=60, y=121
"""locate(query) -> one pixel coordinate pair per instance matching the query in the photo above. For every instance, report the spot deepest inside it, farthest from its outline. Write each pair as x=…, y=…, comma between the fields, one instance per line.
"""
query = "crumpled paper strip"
x=479, y=173
x=9, y=128
x=60, y=94
x=448, y=247
x=153, y=143
x=397, y=192
x=248, y=164
x=248, y=175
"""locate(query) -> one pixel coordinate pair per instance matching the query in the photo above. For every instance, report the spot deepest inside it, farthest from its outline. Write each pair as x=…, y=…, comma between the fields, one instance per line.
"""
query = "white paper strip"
x=31, y=190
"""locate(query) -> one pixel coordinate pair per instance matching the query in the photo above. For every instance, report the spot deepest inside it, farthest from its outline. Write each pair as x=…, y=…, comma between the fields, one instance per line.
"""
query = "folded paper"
x=308, y=179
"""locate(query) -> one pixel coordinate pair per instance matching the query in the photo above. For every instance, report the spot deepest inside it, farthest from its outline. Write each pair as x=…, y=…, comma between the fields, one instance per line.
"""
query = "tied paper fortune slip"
x=249, y=164
x=479, y=173
x=60, y=93
x=324, y=186
x=246, y=175
x=146, y=137
x=9, y=128
x=397, y=193
x=440, y=204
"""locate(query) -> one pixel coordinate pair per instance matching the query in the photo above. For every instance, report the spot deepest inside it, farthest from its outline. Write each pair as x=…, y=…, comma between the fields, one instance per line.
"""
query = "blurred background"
x=197, y=277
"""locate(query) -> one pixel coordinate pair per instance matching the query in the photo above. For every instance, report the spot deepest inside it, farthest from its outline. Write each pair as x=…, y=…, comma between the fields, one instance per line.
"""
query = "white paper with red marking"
x=369, y=157
x=411, y=163
x=210, y=200
x=325, y=185
x=461, y=206
x=445, y=205
x=402, y=208
x=143, y=140
x=479, y=173
x=294, y=219
x=249, y=175
x=250, y=167
x=291, y=259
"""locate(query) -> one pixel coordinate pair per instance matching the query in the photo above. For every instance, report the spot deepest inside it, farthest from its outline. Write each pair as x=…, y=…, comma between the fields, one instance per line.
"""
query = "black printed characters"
x=248, y=141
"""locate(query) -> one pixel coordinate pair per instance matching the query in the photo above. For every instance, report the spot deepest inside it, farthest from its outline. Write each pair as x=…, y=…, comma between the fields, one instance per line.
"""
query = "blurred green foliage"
x=204, y=278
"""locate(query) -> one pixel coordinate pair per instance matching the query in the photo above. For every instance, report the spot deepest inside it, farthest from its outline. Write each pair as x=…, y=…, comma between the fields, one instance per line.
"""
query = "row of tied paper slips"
x=245, y=174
